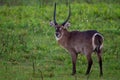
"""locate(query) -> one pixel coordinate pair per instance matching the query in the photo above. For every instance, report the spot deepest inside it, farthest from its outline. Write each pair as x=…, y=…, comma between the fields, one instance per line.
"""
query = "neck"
x=64, y=39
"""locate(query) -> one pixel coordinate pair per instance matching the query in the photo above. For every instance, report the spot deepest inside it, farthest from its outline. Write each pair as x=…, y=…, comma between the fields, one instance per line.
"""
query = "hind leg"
x=100, y=62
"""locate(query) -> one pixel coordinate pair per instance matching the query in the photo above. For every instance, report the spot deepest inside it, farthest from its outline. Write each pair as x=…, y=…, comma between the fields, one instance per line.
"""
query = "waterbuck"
x=75, y=42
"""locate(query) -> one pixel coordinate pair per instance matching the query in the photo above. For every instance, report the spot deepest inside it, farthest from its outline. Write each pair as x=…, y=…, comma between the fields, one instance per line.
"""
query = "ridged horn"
x=67, y=17
x=54, y=15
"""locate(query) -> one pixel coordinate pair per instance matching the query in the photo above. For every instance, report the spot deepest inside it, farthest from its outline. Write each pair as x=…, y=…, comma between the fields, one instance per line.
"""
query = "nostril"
x=57, y=33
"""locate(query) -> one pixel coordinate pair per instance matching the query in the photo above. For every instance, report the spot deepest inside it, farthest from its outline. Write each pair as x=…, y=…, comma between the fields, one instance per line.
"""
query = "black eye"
x=58, y=29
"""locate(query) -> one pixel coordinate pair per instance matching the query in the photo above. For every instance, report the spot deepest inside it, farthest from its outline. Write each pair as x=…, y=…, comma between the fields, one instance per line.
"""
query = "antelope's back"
x=82, y=36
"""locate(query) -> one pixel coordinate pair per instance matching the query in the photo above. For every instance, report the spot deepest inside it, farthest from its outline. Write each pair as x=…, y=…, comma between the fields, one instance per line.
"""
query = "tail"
x=97, y=42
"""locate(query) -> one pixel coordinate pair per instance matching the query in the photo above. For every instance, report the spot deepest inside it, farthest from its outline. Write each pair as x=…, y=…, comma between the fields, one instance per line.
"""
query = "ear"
x=52, y=24
x=67, y=25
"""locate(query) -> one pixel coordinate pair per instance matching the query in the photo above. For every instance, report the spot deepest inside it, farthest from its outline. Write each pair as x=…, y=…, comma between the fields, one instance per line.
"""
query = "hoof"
x=86, y=73
x=73, y=74
x=101, y=75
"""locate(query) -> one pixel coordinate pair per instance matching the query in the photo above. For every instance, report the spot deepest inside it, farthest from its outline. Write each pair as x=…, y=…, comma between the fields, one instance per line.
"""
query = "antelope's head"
x=59, y=28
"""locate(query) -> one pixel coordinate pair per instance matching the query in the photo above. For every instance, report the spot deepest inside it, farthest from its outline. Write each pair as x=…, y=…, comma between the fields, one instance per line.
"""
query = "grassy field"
x=29, y=51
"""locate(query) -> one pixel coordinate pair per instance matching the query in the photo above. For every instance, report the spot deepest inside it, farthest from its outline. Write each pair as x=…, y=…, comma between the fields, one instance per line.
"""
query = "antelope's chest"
x=63, y=45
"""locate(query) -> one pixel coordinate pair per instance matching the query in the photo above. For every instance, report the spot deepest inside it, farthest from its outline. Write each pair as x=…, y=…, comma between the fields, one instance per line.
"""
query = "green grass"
x=29, y=51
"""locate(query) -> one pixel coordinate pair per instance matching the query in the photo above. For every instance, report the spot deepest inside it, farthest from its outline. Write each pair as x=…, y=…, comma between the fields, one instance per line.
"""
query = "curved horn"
x=54, y=15
x=67, y=17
